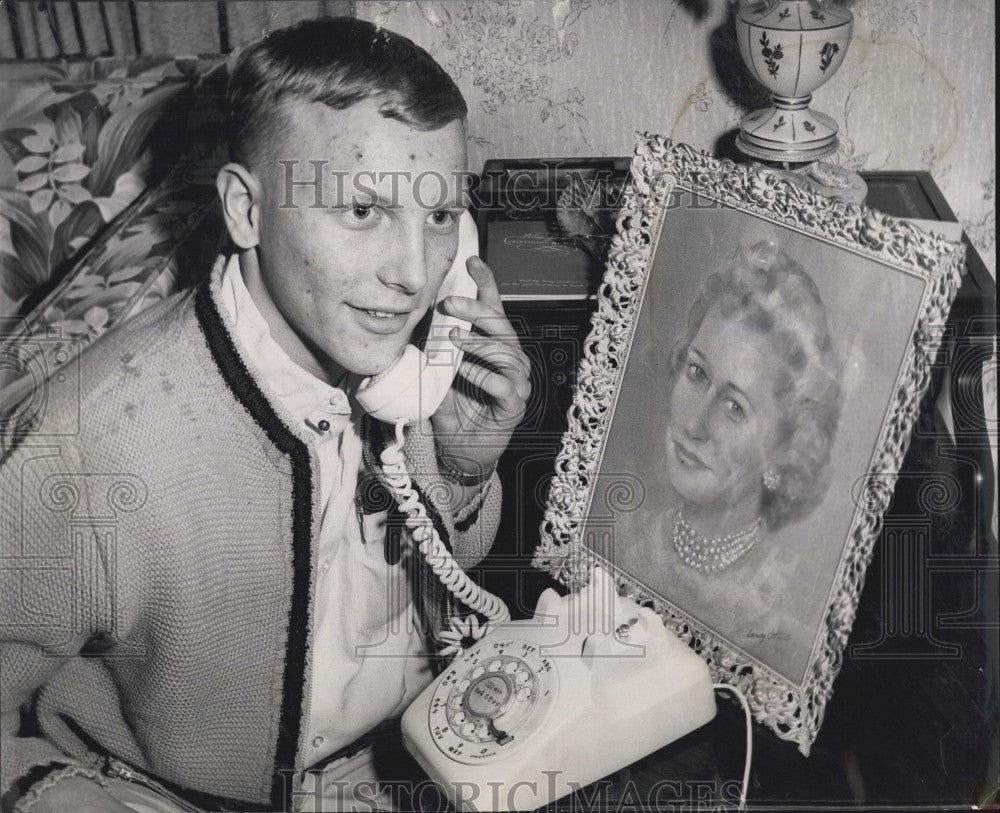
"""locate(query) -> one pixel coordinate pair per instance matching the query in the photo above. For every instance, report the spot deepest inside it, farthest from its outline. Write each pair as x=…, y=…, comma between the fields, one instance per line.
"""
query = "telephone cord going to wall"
x=434, y=551
x=746, y=710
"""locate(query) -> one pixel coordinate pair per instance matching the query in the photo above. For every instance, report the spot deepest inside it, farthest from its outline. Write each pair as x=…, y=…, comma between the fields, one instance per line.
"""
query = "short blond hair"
x=339, y=62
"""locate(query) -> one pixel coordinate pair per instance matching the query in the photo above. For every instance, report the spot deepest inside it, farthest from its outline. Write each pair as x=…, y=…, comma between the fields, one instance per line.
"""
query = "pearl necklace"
x=712, y=555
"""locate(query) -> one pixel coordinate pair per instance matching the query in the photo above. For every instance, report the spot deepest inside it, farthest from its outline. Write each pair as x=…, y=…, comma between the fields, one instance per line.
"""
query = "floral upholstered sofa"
x=107, y=202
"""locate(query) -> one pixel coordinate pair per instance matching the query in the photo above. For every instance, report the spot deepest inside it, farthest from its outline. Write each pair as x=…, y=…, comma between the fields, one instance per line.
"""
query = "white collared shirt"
x=367, y=662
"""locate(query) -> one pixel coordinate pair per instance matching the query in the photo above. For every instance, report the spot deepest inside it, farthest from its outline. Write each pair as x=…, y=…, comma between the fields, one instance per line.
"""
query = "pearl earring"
x=771, y=480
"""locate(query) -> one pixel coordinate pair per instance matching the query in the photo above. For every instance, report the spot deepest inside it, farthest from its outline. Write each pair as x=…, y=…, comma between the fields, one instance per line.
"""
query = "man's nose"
x=407, y=267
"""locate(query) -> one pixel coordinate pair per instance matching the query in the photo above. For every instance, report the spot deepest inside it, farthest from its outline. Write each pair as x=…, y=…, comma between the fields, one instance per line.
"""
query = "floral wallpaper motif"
x=505, y=50
x=983, y=230
x=83, y=145
x=78, y=143
x=577, y=77
x=890, y=19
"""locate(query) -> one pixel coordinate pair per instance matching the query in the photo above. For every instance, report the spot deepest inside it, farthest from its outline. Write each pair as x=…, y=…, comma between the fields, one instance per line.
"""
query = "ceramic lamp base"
x=788, y=131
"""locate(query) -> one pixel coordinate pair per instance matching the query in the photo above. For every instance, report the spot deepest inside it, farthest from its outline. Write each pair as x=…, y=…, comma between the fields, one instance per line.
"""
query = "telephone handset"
x=414, y=387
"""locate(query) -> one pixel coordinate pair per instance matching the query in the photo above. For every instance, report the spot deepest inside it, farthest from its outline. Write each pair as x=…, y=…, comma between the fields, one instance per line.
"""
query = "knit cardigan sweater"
x=156, y=587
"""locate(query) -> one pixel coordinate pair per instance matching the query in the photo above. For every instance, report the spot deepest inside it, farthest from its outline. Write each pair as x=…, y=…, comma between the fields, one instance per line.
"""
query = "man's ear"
x=240, y=193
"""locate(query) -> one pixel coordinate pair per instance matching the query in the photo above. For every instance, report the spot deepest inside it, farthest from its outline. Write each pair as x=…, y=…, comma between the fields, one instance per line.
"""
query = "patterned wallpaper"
x=550, y=78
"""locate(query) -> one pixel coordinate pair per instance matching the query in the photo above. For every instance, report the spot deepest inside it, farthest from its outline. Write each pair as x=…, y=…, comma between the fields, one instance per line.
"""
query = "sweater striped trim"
x=246, y=390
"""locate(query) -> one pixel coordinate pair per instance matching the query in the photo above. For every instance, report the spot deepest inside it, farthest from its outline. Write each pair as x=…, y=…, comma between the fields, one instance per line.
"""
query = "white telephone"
x=540, y=708
x=414, y=387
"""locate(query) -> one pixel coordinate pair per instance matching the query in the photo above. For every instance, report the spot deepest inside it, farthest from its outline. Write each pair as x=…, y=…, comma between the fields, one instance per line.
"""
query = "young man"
x=199, y=594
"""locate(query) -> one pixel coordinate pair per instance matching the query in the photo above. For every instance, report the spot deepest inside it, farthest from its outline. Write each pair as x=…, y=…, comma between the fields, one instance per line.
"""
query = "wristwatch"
x=458, y=477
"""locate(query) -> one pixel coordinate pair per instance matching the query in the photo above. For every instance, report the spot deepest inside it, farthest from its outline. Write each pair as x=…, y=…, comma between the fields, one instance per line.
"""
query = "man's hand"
x=79, y=795
x=487, y=400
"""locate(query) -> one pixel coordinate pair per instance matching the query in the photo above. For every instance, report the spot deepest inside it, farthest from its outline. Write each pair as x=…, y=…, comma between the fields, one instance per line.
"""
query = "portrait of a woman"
x=753, y=404
x=756, y=376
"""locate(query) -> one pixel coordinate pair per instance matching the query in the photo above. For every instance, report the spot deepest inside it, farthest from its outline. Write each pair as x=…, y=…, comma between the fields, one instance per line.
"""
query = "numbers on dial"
x=491, y=700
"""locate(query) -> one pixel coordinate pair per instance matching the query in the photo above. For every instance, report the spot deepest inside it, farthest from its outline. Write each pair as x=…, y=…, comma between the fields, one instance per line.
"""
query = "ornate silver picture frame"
x=745, y=399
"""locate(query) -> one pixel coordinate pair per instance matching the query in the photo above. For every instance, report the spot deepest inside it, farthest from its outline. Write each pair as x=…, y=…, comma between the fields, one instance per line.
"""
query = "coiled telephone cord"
x=434, y=551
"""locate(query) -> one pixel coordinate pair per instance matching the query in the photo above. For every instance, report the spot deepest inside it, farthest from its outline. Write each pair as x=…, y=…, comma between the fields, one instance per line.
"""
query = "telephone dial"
x=542, y=707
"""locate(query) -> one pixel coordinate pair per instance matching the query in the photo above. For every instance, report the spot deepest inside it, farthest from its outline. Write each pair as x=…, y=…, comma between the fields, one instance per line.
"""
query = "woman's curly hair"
x=765, y=289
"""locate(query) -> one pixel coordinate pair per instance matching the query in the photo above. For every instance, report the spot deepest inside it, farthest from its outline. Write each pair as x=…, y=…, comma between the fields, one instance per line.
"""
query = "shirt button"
x=324, y=426
x=325, y=564
x=317, y=742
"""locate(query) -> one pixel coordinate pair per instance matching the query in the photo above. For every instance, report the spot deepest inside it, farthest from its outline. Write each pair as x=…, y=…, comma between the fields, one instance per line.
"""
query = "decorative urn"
x=792, y=47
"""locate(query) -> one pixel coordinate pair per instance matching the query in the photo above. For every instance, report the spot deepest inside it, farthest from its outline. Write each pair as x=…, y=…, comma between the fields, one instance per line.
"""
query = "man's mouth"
x=382, y=321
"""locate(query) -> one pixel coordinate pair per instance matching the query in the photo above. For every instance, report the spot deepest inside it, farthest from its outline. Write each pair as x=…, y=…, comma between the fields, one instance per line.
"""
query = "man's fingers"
x=509, y=395
x=485, y=312
x=501, y=369
x=483, y=317
x=498, y=354
x=488, y=294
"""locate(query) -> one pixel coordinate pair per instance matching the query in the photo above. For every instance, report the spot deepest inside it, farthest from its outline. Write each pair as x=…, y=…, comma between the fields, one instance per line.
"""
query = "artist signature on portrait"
x=773, y=635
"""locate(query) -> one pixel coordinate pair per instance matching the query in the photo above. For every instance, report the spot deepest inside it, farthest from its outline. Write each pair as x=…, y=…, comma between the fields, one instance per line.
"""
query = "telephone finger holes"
x=487, y=707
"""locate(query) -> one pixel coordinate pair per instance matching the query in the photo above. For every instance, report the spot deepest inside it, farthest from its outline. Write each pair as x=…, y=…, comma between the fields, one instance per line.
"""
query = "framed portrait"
x=744, y=402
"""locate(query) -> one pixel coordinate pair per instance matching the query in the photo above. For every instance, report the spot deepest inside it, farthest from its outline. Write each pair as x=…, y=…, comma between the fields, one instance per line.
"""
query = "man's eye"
x=361, y=212
x=442, y=218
